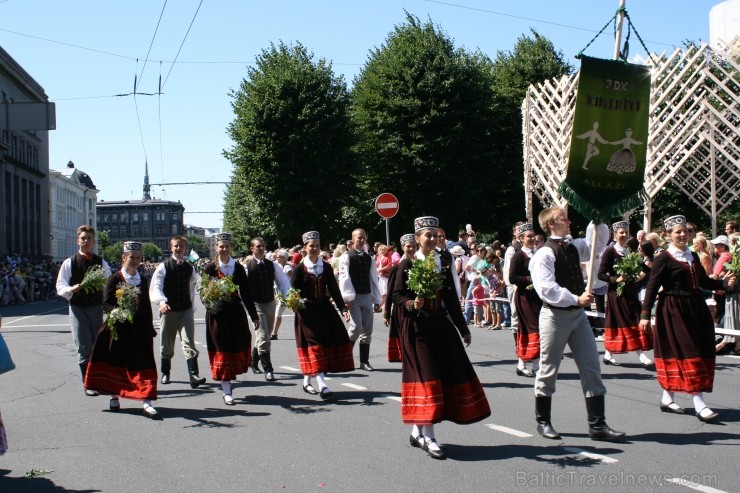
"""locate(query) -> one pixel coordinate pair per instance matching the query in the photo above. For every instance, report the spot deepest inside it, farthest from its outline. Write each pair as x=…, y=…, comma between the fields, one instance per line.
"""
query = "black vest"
x=567, y=266
x=177, y=284
x=79, y=267
x=261, y=278
x=359, y=271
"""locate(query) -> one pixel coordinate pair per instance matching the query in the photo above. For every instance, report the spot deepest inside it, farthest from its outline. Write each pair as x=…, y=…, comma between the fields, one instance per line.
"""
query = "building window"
x=160, y=230
x=146, y=231
x=124, y=217
x=134, y=216
x=174, y=229
x=123, y=231
x=135, y=231
x=174, y=216
x=145, y=216
x=115, y=218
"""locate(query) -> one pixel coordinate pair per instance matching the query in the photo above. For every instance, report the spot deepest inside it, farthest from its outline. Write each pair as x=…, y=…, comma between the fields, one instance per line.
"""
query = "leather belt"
x=563, y=308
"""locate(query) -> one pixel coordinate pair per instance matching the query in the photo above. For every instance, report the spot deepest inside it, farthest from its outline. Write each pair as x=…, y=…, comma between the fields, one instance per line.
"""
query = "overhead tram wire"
x=152, y=41
x=181, y=44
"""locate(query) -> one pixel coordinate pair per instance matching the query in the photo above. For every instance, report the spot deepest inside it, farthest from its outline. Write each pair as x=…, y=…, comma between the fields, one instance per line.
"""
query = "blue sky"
x=183, y=131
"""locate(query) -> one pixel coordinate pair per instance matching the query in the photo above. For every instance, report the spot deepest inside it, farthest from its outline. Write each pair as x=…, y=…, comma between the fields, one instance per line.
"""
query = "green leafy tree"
x=198, y=244
x=151, y=252
x=423, y=111
x=292, y=159
x=103, y=240
x=533, y=60
x=112, y=253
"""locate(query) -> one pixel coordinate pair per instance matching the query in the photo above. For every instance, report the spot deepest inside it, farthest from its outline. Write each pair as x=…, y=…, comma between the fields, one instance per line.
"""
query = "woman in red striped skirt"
x=320, y=336
x=528, y=303
x=438, y=382
x=622, y=333
x=391, y=311
x=684, y=330
x=125, y=366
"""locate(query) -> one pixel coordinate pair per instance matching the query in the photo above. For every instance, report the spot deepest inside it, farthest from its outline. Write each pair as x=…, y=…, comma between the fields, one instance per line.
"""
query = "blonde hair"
x=546, y=216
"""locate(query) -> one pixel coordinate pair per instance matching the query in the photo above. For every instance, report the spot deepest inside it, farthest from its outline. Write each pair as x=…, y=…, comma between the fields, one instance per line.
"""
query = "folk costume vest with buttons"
x=567, y=266
x=177, y=284
x=359, y=271
x=261, y=277
x=79, y=266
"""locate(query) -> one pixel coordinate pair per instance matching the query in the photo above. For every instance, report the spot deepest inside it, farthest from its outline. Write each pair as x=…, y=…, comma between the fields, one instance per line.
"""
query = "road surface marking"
x=393, y=398
x=353, y=386
x=695, y=486
x=290, y=368
x=6, y=323
x=591, y=455
x=44, y=325
x=510, y=431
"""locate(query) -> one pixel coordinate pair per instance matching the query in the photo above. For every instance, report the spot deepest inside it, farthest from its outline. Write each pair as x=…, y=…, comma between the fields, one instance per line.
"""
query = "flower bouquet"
x=630, y=268
x=94, y=279
x=216, y=292
x=127, y=297
x=292, y=300
x=424, y=278
x=734, y=264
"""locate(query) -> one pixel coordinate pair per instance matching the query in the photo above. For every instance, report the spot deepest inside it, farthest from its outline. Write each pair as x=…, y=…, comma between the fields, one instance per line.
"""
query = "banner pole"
x=617, y=42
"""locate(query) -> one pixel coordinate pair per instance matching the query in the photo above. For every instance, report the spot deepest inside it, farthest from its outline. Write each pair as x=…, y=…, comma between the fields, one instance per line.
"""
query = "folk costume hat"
x=407, y=238
x=425, y=222
x=131, y=246
x=520, y=230
x=223, y=237
x=310, y=235
x=620, y=225
x=674, y=221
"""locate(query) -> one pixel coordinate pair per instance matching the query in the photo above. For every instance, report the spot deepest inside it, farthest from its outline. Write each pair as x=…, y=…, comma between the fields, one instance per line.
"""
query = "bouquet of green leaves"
x=424, y=279
x=216, y=292
x=734, y=264
x=94, y=280
x=292, y=300
x=630, y=268
x=127, y=297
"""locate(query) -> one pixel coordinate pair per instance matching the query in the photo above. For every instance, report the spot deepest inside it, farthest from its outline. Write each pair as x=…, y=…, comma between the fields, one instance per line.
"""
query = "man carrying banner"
x=557, y=278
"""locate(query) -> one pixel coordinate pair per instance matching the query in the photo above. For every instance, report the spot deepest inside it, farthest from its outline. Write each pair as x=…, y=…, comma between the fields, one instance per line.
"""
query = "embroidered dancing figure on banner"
x=591, y=150
x=623, y=161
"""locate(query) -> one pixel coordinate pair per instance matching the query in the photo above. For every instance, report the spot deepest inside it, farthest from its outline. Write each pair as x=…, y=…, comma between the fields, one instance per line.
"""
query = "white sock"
x=306, y=380
x=147, y=402
x=226, y=386
x=699, y=403
x=535, y=366
x=522, y=365
x=608, y=355
x=428, y=432
x=415, y=431
x=667, y=398
x=643, y=357
x=320, y=380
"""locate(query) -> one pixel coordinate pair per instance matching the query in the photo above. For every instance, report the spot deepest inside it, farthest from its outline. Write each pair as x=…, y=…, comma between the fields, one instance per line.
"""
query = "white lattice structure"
x=694, y=139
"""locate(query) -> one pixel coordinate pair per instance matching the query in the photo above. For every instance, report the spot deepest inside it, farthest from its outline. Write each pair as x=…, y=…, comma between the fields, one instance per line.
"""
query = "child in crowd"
x=479, y=293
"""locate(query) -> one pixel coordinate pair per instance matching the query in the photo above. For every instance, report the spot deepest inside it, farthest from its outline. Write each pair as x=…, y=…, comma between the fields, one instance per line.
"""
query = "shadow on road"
x=32, y=485
x=554, y=455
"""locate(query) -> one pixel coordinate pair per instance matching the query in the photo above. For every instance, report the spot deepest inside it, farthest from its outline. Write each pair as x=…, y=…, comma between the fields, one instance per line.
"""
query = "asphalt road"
x=278, y=438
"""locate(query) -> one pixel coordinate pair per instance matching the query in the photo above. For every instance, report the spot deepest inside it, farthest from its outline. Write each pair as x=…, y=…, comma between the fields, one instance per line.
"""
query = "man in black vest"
x=85, y=308
x=262, y=275
x=173, y=290
x=358, y=282
x=557, y=278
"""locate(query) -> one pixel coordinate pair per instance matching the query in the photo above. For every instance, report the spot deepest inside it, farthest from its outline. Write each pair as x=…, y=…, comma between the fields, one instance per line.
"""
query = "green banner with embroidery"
x=608, y=147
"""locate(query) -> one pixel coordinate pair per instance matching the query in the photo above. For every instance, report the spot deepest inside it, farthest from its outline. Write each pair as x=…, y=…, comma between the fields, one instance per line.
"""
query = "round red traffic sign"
x=386, y=205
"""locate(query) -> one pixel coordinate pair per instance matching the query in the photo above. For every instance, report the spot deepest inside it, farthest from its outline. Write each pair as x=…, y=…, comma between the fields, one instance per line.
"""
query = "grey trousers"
x=173, y=323
x=266, y=313
x=361, y=319
x=558, y=328
x=510, y=291
x=85, y=322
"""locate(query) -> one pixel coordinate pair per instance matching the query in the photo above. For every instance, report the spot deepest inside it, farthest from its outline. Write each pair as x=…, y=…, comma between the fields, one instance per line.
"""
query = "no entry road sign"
x=386, y=205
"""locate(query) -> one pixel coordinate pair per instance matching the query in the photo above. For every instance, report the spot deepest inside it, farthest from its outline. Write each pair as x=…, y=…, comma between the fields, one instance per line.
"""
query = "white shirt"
x=134, y=280
x=65, y=275
x=680, y=255
x=316, y=269
x=508, y=255
x=227, y=268
x=156, y=290
x=542, y=267
x=345, y=283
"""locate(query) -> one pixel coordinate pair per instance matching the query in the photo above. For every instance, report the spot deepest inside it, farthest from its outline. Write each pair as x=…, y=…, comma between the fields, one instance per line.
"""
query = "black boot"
x=597, y=427
x=83, y=370
x=195, y=379
x=255, y=362
x=542, y=407
x=267, y=366
x=365, y=357
x=165, y=368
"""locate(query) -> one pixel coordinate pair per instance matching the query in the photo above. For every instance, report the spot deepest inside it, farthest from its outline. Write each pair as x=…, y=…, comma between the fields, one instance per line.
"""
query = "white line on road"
x=290, y=368
x=591, y=455
x=695, y=486
x=353, y=386
x=5, y=324
x=393, y=398
x=510, y=431
x=45, y=325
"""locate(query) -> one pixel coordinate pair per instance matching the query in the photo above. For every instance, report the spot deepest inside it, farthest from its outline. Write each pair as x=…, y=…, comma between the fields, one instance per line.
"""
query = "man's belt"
x=563, y=308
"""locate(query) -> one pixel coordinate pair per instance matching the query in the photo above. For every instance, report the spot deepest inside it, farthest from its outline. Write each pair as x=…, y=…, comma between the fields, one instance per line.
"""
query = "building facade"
x=26, y=116
x=72, y=202
x=149, y=220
